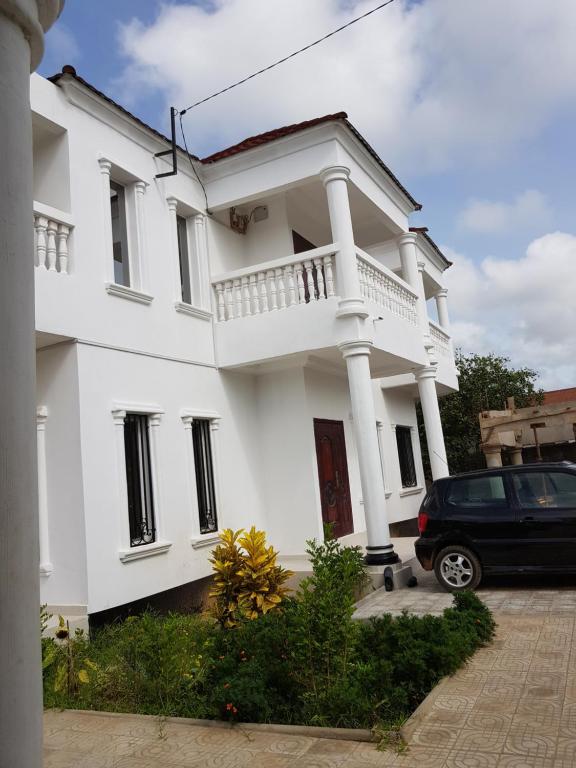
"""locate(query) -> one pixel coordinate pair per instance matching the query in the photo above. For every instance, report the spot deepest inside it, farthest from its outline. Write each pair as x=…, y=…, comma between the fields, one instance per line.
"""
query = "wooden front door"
x=333, y=475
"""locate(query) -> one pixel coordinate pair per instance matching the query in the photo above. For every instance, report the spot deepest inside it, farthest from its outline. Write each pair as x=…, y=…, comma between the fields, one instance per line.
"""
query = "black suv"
x=518, y=519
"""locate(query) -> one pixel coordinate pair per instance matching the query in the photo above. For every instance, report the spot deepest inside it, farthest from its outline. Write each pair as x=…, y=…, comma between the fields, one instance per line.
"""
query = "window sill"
x=188, y=309
x=46, y=569
x=146, y=550
x=205, y=540
x=411, y=491
x=125, y=292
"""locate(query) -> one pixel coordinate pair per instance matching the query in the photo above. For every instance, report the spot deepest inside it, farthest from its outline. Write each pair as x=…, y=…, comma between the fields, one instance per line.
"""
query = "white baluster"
x=229, y=299
x=254, y=294
x=41, y=224
x=281, y=288
x=263, y=291
x=237, y=291
x=51, y=245
x=289, y=275
x=272, y=289
x=221, y=307
x=320, y=278
x=63, y=232
x=310, y=281
x=246, y=296
x=300, y=283
x=328, y=276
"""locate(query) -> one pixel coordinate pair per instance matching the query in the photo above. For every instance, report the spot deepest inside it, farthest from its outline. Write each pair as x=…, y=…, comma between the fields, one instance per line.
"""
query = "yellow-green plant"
x=62, y=657
x=247, y=582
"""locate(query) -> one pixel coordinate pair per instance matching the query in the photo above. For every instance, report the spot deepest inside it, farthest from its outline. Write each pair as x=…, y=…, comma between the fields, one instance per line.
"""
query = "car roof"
x=536, y=466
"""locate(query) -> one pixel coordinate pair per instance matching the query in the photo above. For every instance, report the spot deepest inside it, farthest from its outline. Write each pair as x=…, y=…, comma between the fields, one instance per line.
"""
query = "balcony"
x=51, y=236
x=287, y=307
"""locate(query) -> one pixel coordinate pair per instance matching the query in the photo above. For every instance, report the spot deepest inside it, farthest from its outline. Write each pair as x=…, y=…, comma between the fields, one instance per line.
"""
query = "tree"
x=485, y=382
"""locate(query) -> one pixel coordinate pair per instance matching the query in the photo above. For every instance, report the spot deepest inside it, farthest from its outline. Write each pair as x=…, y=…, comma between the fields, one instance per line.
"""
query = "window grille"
x=406, y=457
x=139, y=479
x=204, y=465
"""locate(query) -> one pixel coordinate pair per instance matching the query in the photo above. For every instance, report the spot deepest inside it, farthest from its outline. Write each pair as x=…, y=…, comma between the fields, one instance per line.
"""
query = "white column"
x=412, y=274
x=174, y=252
x=426, y=378
x=21, y=44
x=119, y=416
x=335, y=180
x=379, y=550
x=442, y=308
x=46, y=566
x=108, y=250
x=141, y=256
x=201, y=280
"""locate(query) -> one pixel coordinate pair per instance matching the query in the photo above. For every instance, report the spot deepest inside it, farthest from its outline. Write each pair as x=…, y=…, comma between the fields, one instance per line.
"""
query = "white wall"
x=108, y=377
x=397, y=407
x=58, y=389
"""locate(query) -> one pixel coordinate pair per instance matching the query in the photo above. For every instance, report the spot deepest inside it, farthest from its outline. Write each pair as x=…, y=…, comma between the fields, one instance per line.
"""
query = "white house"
x=241, y=343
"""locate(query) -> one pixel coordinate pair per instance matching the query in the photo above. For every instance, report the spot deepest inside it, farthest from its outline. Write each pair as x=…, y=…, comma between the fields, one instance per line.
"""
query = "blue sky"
x=475, y=117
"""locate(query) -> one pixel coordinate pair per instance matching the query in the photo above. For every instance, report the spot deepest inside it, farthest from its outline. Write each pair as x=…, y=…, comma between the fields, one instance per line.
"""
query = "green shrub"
x=308, y=663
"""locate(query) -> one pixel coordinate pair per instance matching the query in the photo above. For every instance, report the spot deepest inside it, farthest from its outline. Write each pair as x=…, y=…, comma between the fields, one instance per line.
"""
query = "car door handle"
x=528, y=519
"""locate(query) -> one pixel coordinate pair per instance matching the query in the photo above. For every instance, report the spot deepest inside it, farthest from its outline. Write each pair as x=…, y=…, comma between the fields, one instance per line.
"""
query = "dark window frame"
x=205, y=475
x=184, y=259
x=139, y=479
x=120, y=248
x=406, y=459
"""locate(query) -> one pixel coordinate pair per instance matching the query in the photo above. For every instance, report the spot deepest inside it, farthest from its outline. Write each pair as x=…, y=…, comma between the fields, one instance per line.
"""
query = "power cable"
x=286, y=58
x=192, y=164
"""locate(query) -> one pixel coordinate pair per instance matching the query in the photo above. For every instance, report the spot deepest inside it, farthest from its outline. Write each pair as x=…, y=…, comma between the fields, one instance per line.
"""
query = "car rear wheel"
x=457, y=568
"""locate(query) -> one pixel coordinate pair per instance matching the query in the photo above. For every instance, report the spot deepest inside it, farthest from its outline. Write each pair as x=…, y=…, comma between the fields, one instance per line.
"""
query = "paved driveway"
x=512, y=706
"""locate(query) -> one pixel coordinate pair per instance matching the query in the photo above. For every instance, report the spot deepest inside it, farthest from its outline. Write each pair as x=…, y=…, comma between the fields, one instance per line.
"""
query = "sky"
x=472, y=103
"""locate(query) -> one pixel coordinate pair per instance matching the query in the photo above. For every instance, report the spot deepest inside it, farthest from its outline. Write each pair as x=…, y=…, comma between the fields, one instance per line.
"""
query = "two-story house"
x=241, y=343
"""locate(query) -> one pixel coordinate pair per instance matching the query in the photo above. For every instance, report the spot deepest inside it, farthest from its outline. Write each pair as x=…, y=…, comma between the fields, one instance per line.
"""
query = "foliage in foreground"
x=484, y=383
x=247, y=580
x=307, y=662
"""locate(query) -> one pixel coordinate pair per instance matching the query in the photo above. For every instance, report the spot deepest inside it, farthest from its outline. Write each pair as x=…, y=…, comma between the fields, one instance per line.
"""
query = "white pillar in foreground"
x=21, y=31
x=379, y=550
x=426, y=378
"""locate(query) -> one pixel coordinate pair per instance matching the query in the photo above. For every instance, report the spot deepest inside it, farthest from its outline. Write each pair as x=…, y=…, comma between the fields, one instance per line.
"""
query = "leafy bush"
x=308, y=663
x=247, y=581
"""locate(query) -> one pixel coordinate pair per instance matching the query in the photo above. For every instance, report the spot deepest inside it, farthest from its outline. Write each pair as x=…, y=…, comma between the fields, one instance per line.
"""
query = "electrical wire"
x=286, y=58
x=192, y=164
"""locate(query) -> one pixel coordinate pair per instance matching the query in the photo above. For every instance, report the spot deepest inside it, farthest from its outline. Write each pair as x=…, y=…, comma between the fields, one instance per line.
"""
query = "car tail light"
x=422, y=521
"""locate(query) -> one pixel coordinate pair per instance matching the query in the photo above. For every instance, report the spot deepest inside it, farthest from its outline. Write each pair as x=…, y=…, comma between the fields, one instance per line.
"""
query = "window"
x=139, y=479
x=182, y=231
x=119, y=234
x=204, y=466
x=546, y=489
x=478, y=492
x=406, y=457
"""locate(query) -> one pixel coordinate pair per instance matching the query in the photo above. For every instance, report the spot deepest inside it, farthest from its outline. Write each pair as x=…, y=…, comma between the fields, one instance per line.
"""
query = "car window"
x=556, y=490
x=478, y=492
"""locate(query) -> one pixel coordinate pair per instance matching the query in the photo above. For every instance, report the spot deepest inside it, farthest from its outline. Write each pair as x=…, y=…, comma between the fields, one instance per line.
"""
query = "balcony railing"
x=441, y=340
x=275, y=285
x=381, y=286
x=51, y=235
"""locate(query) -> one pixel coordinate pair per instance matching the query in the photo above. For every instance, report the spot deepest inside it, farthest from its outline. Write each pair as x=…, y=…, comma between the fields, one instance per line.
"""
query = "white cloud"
x=523, y=308
x=429, y=83
x=528, y=211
